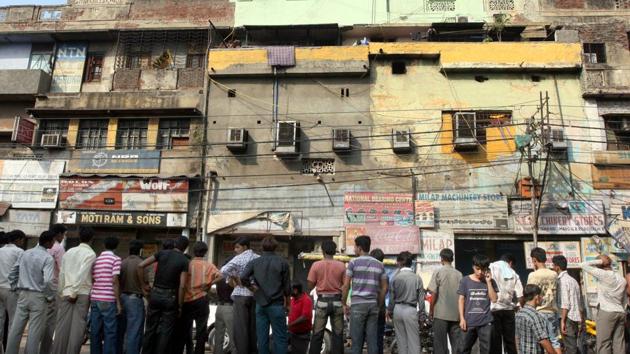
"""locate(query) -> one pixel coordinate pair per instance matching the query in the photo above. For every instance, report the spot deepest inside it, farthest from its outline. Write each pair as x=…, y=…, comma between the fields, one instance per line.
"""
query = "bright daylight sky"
x=31, y=2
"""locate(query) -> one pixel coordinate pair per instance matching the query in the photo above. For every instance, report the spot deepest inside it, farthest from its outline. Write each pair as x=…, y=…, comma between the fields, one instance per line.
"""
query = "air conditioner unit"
x=465, y=133
x=554, y=139
x=341, y=139
x=287, y=138
x=401, y=141
x=236, y=139
x=625, y=124
x=51, y=140
x=462, y=19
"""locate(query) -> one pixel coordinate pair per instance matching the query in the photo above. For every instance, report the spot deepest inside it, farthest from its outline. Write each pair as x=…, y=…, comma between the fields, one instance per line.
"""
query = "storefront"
x=148, y=209
x=28, y=193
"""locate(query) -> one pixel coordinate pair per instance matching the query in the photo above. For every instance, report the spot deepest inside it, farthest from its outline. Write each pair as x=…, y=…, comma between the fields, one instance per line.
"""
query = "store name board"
x=23, y=130
x=30, y=184
x=432, y=242
x=560, y=218
x=32, y=222
x=119, y=161
x=121, y=218
x=569, y=249
x=463, y=211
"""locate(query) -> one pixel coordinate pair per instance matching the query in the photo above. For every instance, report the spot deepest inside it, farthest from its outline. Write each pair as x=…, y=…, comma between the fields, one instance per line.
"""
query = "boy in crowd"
x=476, y=292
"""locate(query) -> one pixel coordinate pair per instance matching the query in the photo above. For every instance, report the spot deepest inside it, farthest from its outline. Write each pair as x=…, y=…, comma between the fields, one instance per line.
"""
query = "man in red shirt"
x=300, y=320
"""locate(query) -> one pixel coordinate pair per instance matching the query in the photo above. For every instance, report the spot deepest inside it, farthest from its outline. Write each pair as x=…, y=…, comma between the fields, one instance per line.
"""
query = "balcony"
x=158, y=79
x=599, y=80
x=24, y=83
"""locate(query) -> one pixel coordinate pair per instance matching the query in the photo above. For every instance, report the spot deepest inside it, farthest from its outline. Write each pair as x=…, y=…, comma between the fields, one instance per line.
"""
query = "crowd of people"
x=56, y=292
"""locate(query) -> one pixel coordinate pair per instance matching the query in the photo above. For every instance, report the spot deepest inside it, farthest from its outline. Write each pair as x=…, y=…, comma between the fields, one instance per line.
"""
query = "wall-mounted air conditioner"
x=465, y=132
x=287, y=138
x=51, y=140
x=401, y=141
x=341, y=139
x=554, y=139
x=236, y=139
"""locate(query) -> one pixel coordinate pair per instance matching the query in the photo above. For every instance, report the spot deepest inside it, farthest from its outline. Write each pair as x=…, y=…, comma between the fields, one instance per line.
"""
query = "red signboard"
x=387, y=218
x=123, y=194
x=23, y=130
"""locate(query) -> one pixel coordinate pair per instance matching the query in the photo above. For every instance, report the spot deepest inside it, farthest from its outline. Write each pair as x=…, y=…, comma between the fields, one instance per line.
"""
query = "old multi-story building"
x=116, y=89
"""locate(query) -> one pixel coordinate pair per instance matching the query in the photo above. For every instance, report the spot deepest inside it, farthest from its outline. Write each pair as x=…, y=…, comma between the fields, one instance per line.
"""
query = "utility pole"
x=530, y=167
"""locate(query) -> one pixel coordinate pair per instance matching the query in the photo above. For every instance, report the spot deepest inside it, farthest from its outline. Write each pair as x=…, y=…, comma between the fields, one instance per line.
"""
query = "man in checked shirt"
x=244, y=327
x=532, y=336
x=568, y=299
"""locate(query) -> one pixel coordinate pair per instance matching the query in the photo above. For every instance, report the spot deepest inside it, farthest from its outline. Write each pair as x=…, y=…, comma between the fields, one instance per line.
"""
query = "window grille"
x=92, y=134
x=132, y=134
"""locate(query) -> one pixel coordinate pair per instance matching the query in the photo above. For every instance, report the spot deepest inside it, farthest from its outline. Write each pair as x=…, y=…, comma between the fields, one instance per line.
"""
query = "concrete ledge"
x=24, y=82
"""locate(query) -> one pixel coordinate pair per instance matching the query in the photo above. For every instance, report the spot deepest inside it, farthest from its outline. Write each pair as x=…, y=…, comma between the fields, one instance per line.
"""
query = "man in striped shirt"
x=105, y=298
x=369, y=286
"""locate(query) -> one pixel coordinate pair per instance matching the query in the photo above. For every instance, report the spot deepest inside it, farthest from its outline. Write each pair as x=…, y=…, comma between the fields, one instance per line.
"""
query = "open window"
x=617, y=132
x=594, y=53
x=288, y=138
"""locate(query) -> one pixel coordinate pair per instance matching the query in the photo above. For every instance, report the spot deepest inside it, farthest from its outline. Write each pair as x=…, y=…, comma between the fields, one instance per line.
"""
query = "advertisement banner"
x=569, y=249
x=386, y=217
x=32, y=222
x=425, y=214
x=560, y=218
x=432, y=242
x=119, y=161
x=619, y=224
x=129, y=194
x=114, y=218
x=465, y=211
x=30, y=184
x=69, y=63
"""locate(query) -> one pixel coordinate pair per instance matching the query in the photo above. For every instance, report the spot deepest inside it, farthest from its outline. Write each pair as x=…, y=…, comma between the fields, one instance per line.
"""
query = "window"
x=195, y=61
x=399, y=67
x=481, y=120
x=138, y=60
x=52, y=126
x=3, y=15
x=92, y=134
x=173, y=133
x=132, y=134
x=41, y=57
x=50, y=15
x=617, y=133
x=594, y=53
x=94, y=68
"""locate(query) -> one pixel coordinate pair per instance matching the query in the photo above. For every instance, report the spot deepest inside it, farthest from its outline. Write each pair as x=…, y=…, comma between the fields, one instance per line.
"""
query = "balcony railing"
x=158, y=79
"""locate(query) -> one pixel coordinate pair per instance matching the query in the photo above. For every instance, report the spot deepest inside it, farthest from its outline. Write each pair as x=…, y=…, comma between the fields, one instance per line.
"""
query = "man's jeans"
x=196, y=311
x=275, y=316
x=553, y=328
x=483, y=333
x=103, y=318
x=327, y=307
x=161, y=318
x=364, y=326
x=131, y=327
x=571, y=339
x=503, y=331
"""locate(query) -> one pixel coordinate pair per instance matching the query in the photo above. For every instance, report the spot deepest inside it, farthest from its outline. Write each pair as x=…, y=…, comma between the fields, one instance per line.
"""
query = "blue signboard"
x=119, y=161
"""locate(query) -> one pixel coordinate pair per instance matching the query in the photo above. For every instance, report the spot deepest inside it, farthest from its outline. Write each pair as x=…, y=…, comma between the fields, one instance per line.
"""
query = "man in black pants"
x=166, y=298
x=244, y=327
x=504, y=310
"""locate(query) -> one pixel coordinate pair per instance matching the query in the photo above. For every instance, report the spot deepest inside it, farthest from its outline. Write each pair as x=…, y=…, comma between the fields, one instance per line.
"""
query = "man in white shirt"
x=57, y=252
x=504, y=310
x=611, y=304
x=75, y=284
x=9, y=255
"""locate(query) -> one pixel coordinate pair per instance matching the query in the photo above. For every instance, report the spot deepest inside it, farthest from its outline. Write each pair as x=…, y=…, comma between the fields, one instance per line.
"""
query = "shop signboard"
x=30, y=184
x=23, y=130
x=561, y=218
x=69, y=63
x=619, y=224
x=119, y=161
x=468, y=211
x=432, y=242
x=386, y=217
x=130, y=194
x=121, y=218
x=592, y=247
x=569, y=249
x=32, y=222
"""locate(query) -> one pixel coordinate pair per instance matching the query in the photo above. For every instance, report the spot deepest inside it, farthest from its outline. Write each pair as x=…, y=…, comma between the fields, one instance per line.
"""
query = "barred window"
x=132, y=134
x=94, y=68
x=53, y=126
x=173, y=133
x=617, y=133
x=92, y=134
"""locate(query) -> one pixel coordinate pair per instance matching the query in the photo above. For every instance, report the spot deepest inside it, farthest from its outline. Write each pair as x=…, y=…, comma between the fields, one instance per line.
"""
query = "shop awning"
x=274, y=222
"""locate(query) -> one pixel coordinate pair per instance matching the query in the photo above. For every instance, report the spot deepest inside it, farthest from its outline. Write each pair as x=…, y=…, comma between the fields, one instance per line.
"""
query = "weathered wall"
x=14, y=56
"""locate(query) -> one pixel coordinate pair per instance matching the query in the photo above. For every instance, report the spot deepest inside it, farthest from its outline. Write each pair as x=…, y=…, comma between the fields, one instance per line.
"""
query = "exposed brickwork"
x=190, y=78
x=220, y=12
x=600, y=4
x=126, y=79
x=569, y=4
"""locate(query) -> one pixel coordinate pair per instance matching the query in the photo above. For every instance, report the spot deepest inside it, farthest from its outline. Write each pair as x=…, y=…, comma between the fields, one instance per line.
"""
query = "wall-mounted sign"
x=569, y=249
x=122, y=218
x=30, y=184
x=151, y=194
x=32, y=222
x=432, y=242
x=560, y=218
x=466, y=211
x=69, y=63
x=119, y=161
x=386, y=217
x=23, y=130
x=425, y=214
x=591, y=249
